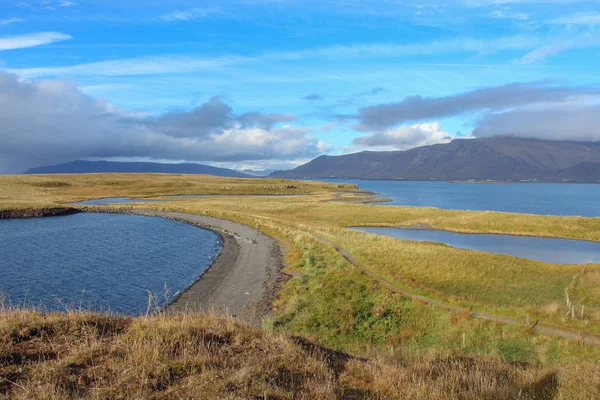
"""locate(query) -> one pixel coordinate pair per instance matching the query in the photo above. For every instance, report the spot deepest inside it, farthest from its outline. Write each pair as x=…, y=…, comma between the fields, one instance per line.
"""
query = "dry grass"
x=78, y=355
x=26, y=191
x=419, y=351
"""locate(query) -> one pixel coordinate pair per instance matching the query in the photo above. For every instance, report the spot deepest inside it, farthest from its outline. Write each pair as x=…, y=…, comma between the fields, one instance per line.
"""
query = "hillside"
x=81, y=167
x=498, y=159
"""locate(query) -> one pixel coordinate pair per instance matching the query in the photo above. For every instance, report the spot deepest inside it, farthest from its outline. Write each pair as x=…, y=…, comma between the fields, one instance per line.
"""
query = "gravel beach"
x=244, y=278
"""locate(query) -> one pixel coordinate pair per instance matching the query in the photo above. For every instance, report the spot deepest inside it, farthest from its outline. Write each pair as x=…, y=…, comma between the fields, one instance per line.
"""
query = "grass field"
x=24, y=191
x=79, y=355
x=331, y=303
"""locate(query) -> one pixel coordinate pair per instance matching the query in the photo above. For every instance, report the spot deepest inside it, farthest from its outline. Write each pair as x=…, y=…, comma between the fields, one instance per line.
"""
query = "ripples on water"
x=557, y=251
x=101, y=261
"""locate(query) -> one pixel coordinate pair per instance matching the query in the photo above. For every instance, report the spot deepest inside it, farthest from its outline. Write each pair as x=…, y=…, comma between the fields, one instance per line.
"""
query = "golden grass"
x=328, y=301
x=79, y=355
x=25, y=191
x=495, y=283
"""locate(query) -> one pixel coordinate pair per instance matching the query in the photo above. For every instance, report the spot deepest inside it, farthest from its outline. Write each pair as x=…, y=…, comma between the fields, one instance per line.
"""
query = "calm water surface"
x=558, y=251
x=114, y=200
x=527, y=198
x=100, y=260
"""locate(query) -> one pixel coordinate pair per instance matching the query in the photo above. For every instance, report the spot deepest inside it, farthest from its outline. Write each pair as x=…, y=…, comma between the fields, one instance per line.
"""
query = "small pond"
x=551, y=250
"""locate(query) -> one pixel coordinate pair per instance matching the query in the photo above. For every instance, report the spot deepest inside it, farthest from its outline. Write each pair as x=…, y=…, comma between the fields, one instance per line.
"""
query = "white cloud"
x=31, y=40
x=539, y=55
x=133, y=66
x=507, y=13
x=590, y=19
x=549, y=50
x=48, y=122
x=496, y=98
x=10, y=21
x=484, y=3
x=174, y=64
x=578, y=120
x=449, y=46
x=405, y=137
x=188, y=15
x=66, y=3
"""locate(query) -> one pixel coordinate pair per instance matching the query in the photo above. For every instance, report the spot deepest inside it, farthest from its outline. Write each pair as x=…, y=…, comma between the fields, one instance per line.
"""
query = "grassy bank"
x=331, y=303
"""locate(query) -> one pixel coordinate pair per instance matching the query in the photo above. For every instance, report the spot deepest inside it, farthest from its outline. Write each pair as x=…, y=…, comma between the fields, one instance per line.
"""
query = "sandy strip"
x=244, y=278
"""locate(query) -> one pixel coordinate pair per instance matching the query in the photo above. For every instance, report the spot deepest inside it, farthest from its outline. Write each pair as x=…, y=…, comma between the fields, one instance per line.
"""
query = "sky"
x=271, y=84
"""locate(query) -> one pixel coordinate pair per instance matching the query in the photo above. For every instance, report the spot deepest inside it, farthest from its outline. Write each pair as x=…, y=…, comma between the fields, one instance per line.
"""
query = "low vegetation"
x=79, y=355
x=30, y=191
x=400, y=347
x=495, y=283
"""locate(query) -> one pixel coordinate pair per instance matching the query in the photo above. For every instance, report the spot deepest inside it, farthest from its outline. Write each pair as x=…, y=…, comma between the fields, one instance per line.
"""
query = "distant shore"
x=242, y=281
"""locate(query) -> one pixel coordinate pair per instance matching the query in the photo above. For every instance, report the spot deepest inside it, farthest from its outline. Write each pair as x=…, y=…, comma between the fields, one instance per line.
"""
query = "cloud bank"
x=554, y=122
x=539, y=110
x=415, y=108
x=405, y=137
x=47, y=122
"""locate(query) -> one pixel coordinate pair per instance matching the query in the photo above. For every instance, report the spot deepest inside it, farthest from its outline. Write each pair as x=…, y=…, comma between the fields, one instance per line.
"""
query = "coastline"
x=242, y=281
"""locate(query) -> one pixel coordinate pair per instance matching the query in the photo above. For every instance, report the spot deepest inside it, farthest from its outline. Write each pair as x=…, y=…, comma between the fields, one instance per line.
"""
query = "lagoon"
x=551, y=250
x=101, y=261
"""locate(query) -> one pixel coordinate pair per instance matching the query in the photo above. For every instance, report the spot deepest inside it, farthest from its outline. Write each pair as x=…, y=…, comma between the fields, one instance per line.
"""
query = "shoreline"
x=38, y=212
x=320, y=179
x=242, y=281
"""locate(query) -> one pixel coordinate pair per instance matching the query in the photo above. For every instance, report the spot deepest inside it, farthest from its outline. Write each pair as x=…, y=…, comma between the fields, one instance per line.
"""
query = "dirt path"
x=545, y=329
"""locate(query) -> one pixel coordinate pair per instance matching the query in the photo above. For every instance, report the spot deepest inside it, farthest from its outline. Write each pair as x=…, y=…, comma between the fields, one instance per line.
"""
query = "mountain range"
x=79, y=167
x=495, y=158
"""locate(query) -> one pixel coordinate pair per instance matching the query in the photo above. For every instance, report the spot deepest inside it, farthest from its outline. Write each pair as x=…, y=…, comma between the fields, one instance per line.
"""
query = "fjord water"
x=557, y=251
x=101, y=261
x=527, y=198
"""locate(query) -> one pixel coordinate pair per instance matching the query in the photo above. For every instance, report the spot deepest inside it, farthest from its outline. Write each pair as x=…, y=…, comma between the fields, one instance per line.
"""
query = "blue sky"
x=273, y=83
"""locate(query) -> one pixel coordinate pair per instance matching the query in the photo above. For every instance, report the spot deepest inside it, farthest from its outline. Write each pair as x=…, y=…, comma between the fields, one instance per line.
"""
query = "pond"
x=551, y=250
x=100, y=261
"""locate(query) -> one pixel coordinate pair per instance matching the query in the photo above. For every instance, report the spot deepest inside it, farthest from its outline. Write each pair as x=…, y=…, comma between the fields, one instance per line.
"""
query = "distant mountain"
x=262, y=172
x=496, y=158
x=80, y=167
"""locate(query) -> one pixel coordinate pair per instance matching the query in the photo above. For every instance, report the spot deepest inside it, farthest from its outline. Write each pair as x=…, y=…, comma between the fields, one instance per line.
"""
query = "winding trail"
x=541, y=328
